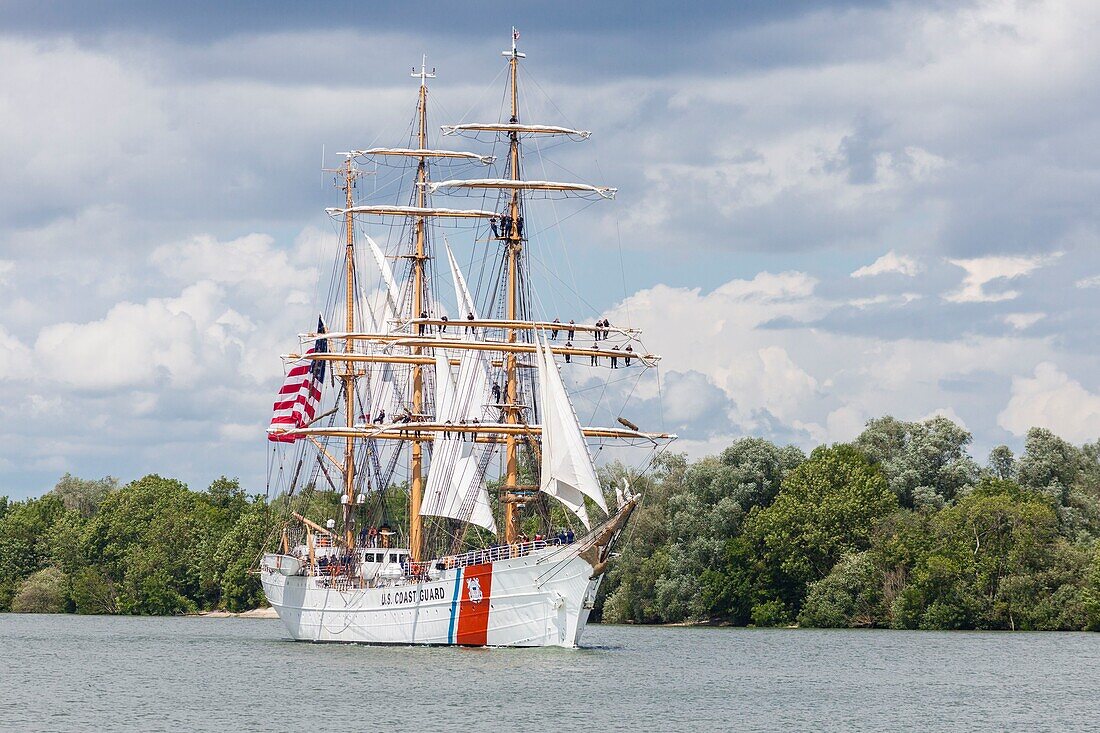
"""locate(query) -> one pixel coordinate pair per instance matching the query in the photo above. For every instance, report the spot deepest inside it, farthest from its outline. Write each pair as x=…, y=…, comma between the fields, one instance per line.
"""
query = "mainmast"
x=416, y=462
x=514, y=238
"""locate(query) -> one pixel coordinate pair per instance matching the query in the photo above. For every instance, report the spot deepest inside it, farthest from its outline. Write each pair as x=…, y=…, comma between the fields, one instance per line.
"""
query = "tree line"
x=902, y=528
x=151, y=547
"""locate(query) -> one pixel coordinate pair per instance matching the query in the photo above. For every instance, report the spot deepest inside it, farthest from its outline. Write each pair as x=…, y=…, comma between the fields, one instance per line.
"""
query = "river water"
x=87, y=673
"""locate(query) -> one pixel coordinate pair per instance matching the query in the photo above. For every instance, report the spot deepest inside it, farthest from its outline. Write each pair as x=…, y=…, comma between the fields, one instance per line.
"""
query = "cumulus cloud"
x=15, y=357
x=984, y=271
x=252, y=259
x=890, y=262
x=1051, y=399
x=1088, y=282
x=808, y=385
x=1022, y=321
x=894, y=300
x=163, y=341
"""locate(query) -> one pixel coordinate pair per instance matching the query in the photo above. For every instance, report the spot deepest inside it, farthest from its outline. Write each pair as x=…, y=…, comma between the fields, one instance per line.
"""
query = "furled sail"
x=513, y=185
x=517, y=128
x=417, y=211
x=568, y=473
x=425, y=153
x=455, y=486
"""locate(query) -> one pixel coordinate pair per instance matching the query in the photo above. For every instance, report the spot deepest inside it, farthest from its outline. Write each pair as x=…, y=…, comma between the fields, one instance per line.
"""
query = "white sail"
x=426, y=153
x=568, y=473
x=415, y=211
x=567, y=495
x=383, y=390
x=571, y=463
x=393, y=293
x=516, y=128
x=462, y=293
x=455, y=487
x=444, y=389
x=508, y=183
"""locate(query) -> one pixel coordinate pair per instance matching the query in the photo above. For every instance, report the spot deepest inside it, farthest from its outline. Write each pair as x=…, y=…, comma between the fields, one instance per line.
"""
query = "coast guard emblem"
x=473, y=585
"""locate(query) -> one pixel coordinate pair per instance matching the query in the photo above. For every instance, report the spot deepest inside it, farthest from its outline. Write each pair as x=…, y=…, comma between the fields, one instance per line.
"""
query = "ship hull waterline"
x=537, y=600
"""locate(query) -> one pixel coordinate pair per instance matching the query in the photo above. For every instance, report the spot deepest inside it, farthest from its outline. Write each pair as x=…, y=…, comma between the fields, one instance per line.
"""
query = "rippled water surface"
x=79, y=673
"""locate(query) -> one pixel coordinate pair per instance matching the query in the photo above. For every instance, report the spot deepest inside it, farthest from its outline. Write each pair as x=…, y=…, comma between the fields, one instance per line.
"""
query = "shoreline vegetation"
x=901, y=528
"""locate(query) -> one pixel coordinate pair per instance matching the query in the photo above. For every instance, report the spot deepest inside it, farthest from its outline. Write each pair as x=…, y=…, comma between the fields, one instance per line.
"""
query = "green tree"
x=1069, y=476
x=148, y=537
x=237, y=555
x=851, y=595
x=705, y=575
x=925, y=463
x=81, y=495
x=1049, y=464
x=45, y=591
x=826, y=508
x=23, y=548
x=1002, y=463
x=93, y=592
x=63, y=541
x=629, y=592
x=1091, y=594
x=996, y=562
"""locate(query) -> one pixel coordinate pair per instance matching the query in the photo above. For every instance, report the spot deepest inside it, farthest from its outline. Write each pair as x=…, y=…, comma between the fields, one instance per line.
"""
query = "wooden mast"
x=515, y=246
x=349, y=366
x=416, y=461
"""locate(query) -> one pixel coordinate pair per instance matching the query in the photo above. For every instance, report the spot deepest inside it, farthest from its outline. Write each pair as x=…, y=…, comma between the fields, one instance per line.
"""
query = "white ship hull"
x=539, y=599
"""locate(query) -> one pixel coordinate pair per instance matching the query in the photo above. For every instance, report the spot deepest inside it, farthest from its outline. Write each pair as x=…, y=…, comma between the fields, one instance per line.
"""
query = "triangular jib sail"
x=568, y=473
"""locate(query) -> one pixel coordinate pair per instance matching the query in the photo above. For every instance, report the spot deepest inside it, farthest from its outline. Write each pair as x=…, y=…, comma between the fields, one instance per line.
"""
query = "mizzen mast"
x=350, y=371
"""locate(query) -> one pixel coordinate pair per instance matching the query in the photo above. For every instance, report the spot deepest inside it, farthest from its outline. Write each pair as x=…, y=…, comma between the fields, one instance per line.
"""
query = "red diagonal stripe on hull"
x=473, y=617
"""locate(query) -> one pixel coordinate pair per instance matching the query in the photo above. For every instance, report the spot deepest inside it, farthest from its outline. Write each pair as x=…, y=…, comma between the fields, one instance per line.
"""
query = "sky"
x=827, y=211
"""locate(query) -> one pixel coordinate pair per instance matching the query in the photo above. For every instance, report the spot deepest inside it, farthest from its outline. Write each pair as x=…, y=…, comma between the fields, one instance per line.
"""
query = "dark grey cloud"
x=203, y=19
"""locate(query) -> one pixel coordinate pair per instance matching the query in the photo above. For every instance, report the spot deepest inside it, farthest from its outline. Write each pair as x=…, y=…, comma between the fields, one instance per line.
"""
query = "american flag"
x=301, y=393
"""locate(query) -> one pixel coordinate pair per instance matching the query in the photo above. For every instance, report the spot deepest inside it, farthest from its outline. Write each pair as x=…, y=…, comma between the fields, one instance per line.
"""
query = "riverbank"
x=266, y=612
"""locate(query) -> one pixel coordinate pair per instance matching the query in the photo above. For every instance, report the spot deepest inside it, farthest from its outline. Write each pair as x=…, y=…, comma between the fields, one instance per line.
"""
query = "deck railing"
x=497, y=552
x=338, y=574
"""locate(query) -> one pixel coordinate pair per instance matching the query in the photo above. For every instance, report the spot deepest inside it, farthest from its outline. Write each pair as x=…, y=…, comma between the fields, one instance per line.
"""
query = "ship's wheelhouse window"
x=393, y=557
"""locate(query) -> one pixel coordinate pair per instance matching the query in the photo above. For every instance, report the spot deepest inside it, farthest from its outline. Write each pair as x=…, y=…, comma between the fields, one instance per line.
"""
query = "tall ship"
x=470, y=509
